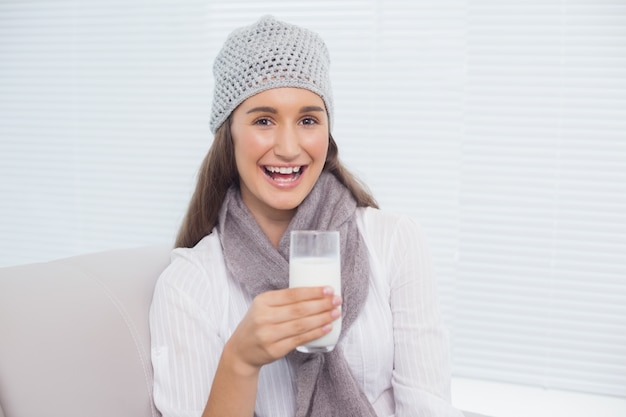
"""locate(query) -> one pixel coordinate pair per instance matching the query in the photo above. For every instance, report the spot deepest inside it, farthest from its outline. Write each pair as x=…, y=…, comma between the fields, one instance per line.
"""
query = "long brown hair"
x=219, y=171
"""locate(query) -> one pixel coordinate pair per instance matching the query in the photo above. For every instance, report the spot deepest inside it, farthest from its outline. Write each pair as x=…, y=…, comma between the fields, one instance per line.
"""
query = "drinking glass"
x=314, y=260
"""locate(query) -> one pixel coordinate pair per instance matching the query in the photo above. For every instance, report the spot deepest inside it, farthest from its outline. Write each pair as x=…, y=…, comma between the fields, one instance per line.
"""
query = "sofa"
x=74, y=335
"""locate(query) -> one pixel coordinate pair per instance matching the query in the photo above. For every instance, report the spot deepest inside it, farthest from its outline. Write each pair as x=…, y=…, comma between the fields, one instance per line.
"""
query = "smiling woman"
x=274, y=168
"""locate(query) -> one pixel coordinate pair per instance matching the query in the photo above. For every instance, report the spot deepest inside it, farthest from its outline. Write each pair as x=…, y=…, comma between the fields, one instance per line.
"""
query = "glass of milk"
x=314, y=261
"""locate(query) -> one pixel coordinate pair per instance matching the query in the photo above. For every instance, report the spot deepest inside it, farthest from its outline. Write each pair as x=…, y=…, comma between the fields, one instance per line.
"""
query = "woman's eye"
x=309, y=121
x=263, y=121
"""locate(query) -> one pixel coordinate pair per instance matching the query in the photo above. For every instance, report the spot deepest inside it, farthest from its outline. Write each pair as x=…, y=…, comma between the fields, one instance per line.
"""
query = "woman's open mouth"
x=284, y=174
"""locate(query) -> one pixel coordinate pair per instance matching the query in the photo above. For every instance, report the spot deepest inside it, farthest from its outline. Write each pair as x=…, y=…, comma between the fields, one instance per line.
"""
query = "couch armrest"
x=75, y=335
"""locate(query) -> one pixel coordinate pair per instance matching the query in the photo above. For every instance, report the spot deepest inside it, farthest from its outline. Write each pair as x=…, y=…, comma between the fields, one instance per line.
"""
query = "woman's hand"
x=279, y=321
x=276, y=323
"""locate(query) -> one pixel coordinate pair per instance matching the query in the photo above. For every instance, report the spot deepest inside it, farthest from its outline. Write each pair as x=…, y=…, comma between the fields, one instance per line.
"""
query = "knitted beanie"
x=265, y=55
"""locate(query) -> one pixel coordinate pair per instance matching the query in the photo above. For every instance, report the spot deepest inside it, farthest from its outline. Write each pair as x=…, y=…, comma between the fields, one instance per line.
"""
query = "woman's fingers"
x=299, y=325
x=283, y=346
x=283, y=307
x=290, y=296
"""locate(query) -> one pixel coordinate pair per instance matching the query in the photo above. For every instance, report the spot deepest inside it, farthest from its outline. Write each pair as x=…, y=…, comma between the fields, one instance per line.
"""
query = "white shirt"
x=397, y=348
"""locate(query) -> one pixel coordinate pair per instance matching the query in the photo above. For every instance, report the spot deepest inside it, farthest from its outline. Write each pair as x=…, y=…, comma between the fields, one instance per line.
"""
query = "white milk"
x=317, y=272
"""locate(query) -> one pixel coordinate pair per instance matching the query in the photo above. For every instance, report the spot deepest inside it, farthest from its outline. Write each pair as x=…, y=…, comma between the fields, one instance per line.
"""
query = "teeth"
x=283, y=170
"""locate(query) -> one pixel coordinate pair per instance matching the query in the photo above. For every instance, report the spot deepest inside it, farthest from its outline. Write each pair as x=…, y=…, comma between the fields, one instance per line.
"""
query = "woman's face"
x=280, y=138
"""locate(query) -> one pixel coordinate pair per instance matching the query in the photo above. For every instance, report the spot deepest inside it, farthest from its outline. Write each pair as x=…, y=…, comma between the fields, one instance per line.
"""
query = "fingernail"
x=337, y=300
x=328, y=290
x=335, y=313
x=327, y=328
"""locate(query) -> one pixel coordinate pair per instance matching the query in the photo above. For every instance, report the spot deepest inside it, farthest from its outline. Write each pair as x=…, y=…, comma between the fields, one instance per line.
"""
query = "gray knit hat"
x=265, y=55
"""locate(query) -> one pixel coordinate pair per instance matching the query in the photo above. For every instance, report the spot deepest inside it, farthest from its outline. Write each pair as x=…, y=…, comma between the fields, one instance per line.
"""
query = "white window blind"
x=542, y=268
x=103, y=110
x=499, y=125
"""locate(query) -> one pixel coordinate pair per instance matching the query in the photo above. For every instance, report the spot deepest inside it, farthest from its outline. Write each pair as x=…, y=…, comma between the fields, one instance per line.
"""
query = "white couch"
x=74, y=335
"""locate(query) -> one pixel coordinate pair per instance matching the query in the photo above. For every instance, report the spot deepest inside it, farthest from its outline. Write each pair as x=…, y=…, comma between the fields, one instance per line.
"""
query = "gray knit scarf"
x=325, y=386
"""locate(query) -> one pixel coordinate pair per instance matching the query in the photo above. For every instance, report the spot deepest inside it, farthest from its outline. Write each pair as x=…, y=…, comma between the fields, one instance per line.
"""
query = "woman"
x=224, y=324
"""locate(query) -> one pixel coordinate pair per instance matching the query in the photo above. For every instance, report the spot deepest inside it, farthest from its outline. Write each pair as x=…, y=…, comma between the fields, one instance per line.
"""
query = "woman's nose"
x=287, y=143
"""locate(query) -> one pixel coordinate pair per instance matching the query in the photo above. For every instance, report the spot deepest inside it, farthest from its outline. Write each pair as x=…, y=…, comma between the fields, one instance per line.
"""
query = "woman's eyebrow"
x=262, y=109
x=307, y=109
x=268, y=109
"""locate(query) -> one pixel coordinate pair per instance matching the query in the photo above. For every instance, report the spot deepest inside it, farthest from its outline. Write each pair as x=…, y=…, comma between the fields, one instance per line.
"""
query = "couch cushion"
x=75, y=335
